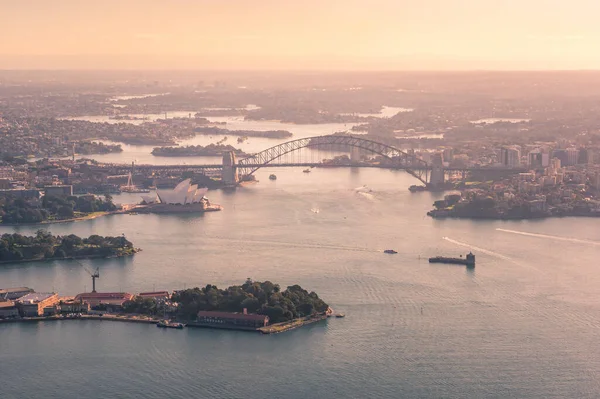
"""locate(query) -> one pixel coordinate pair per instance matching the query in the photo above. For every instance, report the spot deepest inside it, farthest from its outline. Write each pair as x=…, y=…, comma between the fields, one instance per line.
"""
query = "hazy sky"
x=299, y=34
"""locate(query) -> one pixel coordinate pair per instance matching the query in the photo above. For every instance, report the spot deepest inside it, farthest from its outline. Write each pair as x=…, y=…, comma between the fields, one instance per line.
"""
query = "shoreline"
x=5, y=262
x=278, y=328
x=533, y=217
x=78, y=219
x=268, y=330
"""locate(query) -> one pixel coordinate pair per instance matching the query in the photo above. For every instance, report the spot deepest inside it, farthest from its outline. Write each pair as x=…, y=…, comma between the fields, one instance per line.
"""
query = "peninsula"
x=197, y=151
x=271, y=134
x=50, y=209
x=253, y=306
x=478, y=204
x=45, y=246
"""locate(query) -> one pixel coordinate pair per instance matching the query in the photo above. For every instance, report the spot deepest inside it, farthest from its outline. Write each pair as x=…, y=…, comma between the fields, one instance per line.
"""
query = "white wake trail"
x=558, y=238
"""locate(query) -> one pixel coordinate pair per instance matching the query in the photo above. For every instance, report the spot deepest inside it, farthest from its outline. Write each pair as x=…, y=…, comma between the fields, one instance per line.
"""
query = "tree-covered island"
x=264, y=298
x=45, y=246
x=197, y=151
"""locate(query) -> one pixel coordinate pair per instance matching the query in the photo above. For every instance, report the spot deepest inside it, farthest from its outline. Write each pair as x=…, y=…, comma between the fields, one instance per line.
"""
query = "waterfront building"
x=232, y=320
x=8, y=309
x=184, y=193
x=59, y=190
x=70, y=305
x=111, y=300
x=33, y=304
x=14, y=293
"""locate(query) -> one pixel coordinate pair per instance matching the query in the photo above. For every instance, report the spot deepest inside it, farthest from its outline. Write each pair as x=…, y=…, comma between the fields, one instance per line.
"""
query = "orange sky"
x=300, y=34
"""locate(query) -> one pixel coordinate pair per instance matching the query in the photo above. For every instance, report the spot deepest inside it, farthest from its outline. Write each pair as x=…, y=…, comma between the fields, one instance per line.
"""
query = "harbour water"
x=523, y=323
x=141, y=154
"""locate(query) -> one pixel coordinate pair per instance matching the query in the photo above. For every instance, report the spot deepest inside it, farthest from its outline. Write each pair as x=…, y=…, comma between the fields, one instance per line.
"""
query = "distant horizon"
x=426, y=35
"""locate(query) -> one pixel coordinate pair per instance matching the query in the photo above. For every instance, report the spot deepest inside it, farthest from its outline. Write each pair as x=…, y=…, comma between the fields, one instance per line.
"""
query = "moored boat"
x=169, y=324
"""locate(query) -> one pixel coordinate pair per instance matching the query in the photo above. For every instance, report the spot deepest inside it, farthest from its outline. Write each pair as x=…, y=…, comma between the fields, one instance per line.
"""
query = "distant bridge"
x=311, y=152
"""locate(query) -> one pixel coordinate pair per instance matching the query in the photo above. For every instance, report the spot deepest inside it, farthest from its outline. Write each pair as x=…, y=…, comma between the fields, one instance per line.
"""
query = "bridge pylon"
x=436, y=178
x=229, y=174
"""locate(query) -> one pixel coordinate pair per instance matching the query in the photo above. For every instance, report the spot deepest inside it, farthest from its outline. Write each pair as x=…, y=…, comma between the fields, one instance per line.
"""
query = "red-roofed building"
x=110, y=299
x=232, y=320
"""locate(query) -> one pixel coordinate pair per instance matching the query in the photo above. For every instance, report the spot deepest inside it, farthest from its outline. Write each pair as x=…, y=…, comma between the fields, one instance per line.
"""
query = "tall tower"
x=229, y=174
x=437, y=171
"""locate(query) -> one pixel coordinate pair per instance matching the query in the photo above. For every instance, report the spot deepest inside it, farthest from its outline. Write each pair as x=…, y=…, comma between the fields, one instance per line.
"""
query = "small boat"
x=272, y=177
x=340, y=315
x=168, y=324
x=306, y=171
x=390, y=251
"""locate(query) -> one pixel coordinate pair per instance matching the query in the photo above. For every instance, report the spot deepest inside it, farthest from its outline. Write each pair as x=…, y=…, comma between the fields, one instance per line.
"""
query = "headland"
x=253, y=306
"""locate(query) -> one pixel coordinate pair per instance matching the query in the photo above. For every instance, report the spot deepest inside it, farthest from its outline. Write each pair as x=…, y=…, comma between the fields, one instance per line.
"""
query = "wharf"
x=292, y=324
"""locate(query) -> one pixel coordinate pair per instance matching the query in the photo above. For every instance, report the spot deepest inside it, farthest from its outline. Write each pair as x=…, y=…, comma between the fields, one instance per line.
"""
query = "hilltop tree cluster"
x=19, y=210
x=44, y=245
x=257, y=297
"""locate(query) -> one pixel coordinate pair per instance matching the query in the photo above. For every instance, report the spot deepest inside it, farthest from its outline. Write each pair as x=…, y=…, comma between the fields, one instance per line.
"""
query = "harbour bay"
x=411, y=329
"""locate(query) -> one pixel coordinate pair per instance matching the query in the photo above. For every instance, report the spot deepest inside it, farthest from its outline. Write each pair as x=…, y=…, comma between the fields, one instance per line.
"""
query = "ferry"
x=168, y=324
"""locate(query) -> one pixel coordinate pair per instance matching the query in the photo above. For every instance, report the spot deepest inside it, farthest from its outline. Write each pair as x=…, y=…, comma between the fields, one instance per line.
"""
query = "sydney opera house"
x=185, y=197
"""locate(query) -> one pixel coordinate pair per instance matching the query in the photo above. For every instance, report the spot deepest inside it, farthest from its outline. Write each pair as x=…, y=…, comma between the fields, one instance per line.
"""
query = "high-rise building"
x=510, y=156
x=534, y=159
x=572, y=156
x=545, y=159
x=582, y=156
x=562, y=155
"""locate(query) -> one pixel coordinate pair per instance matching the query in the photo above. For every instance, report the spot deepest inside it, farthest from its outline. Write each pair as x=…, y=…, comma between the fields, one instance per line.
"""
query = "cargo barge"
x=468, y=261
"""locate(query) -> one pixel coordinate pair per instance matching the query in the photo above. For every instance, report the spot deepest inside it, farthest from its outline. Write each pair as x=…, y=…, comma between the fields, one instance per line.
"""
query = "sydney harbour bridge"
x=318, y=151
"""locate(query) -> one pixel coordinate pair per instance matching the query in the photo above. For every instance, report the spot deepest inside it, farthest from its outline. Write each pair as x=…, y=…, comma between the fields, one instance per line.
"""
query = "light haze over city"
x=299, y=199
x=310, y=34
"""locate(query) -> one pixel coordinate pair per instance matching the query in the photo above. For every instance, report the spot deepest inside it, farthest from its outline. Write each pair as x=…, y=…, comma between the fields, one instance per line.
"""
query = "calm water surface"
x=524, y=323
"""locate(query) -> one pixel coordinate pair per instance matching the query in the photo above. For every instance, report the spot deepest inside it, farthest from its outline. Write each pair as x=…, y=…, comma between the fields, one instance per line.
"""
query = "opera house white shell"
x=183, y=193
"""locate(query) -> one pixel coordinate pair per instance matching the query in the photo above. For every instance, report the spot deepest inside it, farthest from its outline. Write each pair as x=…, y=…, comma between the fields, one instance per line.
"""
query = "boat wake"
x=365, y=192
x=558, y=238
x=295, y=244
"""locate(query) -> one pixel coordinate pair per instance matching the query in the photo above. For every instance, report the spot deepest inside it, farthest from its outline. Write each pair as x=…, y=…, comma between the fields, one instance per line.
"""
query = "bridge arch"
x=398, y=159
